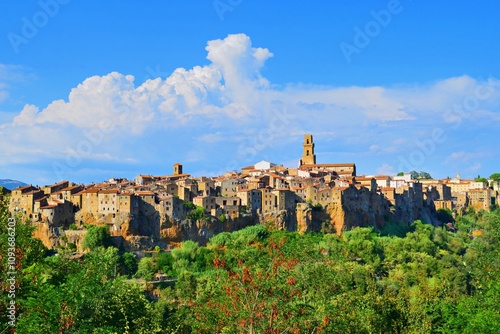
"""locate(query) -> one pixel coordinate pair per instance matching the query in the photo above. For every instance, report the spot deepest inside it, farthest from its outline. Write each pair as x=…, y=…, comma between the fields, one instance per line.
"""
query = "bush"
x=197, y=214
x=445, y=216
x=129, y=264
x=96, y=236
x=189, y=205
x=146, y=269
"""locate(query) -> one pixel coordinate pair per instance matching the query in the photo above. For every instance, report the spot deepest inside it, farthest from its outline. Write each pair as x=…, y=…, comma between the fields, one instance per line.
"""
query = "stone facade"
x=153, y=210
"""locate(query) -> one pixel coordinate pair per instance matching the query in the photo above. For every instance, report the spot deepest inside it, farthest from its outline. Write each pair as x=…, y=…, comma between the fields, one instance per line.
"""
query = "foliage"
x=317, y=207
x=445, y=216
x=394, y=229
x=129, y=263
x=426, y=280
x=222, y=218
x=495, y=176
x=420, y=175
x=146, y=269
x=71, y=247
x=197, y=214
x=481, y=179
x=96, y=236
x=189, y=205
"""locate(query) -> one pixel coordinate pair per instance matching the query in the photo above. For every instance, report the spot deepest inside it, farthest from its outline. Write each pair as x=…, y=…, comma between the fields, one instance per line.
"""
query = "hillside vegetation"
x=259, y=281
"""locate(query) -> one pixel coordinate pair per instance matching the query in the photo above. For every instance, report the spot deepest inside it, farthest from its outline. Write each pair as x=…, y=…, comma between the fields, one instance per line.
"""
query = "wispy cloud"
x=228, y=103
x=11, y=74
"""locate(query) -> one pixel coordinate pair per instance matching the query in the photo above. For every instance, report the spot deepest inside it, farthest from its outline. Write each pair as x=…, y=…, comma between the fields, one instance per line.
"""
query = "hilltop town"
x=162, y=211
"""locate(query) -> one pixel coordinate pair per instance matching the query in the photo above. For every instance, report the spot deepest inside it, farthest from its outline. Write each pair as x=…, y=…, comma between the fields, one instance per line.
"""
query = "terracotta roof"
x=22, y=188
x=70, y=188
x=109, y=191
x=166, y=197
x=144, y=193
x=51, y=206
x=33, y=192
x=350, y=164
x=57, y=184
x=90, y=191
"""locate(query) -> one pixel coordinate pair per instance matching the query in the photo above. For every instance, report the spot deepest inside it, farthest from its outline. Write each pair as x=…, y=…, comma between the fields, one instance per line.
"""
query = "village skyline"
x=95, y=90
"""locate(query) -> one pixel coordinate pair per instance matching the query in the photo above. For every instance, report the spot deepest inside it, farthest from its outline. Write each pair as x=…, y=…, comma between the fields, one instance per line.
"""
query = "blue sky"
x=91, y=90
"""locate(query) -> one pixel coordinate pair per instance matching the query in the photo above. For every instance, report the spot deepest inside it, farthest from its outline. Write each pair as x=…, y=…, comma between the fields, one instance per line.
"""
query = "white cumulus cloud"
x=229, y=102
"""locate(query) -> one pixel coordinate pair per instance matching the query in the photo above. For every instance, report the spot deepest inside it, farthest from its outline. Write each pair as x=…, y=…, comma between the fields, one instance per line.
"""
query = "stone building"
x=23, y=199
x=55, y=187
x=308, y=156
x=226, y=187
x=481, y=199
x=207, y=202
x=89, y=200
x=108, y=201
x=251, y=199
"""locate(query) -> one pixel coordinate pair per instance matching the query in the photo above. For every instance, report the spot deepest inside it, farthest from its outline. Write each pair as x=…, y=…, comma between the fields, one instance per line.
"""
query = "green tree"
x=481, y=179
x=164, y=263
x=96, y=236
x=146, y=269
x=189, y=205
x=424, y=175
x=197, y=214
x=129, y=263
x=445, y=216
x=495, y=176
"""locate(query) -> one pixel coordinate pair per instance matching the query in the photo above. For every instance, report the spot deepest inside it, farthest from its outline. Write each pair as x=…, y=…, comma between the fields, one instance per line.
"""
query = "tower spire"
x=308, y=156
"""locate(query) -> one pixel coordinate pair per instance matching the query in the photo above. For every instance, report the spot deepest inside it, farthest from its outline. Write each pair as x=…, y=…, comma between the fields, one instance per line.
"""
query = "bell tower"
x=177, y=168
x=308, y=156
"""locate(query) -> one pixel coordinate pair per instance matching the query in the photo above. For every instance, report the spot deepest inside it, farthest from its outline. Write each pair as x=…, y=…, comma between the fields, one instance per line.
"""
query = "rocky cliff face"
x=305, y=218
x=54, y=236
x=359, y=207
